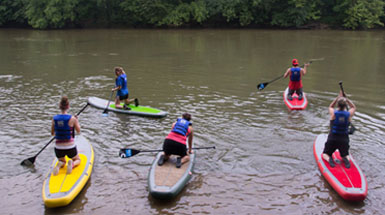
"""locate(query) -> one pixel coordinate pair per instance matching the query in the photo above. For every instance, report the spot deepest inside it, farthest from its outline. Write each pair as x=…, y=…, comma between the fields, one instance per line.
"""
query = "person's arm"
x=304, y=70
x=352, y=109
x=172, y=127
x=116, y=88
x=53, y=128
x=76, y=124
x=119, y=84
x=286, y=73
x=190, y=140
x=331, y=108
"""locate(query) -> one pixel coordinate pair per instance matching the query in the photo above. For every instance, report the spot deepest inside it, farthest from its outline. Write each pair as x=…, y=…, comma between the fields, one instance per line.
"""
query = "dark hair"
x=64, y=103
x=186, y=116
x=341, y=103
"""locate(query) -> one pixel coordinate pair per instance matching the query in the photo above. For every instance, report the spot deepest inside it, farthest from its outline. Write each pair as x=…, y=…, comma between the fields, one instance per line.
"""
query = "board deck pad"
x=139, y=110
x=167, y=181
x=64, y=182
x=350, y=183
x=168, y=174
x=295, y=104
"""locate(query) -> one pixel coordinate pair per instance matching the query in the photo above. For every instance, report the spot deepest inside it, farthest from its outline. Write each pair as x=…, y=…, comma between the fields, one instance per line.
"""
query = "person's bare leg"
x=185, y=159
x=72, y=163
x=117, y=103
x=329, y=159
x=60, y=164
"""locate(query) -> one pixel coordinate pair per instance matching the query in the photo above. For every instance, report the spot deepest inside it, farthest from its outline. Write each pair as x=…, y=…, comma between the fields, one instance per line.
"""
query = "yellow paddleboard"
x=61, y=189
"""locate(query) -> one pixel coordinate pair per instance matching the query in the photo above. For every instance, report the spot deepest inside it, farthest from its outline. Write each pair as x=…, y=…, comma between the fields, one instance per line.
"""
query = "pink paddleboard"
x=350, y=183
x=295, y=104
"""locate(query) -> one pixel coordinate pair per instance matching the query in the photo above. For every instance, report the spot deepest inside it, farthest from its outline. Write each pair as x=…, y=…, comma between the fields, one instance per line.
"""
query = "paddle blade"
x=105, y=112
x=126, y=153
x=316, y=59
x=261, y=86
x=28, y=162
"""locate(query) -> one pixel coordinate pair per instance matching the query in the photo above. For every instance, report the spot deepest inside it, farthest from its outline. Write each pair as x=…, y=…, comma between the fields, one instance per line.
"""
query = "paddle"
x=31, y=160
x=128, y=152
x=351, y=126
x=262, y=86
x=105, y=112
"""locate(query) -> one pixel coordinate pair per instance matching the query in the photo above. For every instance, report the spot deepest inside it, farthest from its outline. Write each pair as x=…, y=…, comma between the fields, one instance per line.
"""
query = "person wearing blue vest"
x=63, y=128
x=295, y=83
x=339, y=125
x=122, y=93
x=175, y=142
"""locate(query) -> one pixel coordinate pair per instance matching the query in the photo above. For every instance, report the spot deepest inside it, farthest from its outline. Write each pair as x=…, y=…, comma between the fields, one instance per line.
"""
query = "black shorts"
x=298, y=91
x=337, y=141
x=123, y=97
x=171, y=147
x=63, y=152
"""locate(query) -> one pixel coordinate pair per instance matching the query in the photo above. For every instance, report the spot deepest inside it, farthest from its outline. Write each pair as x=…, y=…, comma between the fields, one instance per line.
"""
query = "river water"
x=263, y=163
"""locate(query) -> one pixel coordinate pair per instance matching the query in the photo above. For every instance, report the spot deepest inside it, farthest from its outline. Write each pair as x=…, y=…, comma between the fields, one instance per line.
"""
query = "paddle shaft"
x=32, y=159
x=275, y=79
x=108, y=103
x=342, y=89
x=262, y=86
x=343, y=93
x=281, y=76
x=160, y=150
x=352, y=128
x=128, y=152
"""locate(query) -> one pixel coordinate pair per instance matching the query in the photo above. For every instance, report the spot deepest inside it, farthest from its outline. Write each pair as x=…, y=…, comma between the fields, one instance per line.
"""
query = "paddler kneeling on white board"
x=63, y=127
x=339, y=130
x=175, y=142
x=122, y=90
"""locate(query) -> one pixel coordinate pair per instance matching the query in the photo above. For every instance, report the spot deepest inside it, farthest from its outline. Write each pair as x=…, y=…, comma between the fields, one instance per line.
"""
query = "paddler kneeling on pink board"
x=295, y=83
x=175, y=142
x=63, y=127
x=339, y=130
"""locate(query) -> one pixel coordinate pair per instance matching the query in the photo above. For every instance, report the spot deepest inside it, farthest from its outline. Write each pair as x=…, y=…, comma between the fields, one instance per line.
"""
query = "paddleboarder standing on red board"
x=295, y=83
x=339, y=129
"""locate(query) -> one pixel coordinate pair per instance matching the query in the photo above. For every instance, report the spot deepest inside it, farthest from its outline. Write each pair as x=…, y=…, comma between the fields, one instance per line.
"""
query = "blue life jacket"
x=181, y=126
x=295, y=74
x=340, y=125
x=62, y=130
x=122, y=81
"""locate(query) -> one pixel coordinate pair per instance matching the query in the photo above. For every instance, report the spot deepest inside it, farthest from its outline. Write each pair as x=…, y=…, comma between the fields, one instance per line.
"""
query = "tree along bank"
x=57, y=14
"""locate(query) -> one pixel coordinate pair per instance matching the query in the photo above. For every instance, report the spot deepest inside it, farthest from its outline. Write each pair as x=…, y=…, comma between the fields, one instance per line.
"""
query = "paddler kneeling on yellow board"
x=63, y=128
x=339, y=130
x=175, y=142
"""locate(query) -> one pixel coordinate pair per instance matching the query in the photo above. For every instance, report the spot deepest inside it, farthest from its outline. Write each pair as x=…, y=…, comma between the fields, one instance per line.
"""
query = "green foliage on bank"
x=56, y=14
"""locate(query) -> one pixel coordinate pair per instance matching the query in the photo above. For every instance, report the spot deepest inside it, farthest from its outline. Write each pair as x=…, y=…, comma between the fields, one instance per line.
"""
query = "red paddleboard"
x=295, y=104
x=350, y=183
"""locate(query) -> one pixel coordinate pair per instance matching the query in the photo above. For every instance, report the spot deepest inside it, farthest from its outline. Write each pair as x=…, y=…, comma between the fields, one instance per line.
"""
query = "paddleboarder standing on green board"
x=122, y=90
x=339, y=130
x=295, y=83
x=63, y=128
x=175, y=142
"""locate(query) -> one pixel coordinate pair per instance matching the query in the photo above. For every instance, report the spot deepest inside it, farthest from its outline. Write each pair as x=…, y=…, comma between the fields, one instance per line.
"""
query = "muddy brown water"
x=263, y=163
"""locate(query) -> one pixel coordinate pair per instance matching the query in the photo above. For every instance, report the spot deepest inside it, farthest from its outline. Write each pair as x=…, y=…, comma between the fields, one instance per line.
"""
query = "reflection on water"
x=263, y=163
